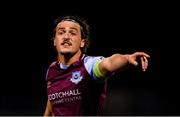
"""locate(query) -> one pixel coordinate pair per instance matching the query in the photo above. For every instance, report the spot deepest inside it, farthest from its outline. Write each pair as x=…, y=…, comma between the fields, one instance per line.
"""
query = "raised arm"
x=118, y=62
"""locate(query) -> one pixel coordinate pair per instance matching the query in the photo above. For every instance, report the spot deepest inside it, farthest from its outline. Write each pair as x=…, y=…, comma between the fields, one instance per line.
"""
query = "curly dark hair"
x=84, y=27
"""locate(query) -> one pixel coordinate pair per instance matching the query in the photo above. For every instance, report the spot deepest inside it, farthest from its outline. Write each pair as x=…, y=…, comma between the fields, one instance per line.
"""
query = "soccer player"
x=76, y=82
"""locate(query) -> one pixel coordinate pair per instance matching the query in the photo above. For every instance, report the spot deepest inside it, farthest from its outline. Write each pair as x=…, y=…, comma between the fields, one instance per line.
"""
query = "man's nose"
x=67, y=35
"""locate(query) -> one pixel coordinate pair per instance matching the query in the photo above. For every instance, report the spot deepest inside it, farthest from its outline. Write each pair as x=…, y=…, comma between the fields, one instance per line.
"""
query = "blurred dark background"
x=27, y=51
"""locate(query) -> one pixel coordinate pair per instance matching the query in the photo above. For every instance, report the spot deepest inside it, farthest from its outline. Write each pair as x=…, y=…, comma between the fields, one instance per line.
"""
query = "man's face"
x=68, y=37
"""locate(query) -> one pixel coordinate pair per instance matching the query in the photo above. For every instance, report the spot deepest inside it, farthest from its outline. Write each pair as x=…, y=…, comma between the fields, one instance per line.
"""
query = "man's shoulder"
x=92, y=58
x=52, y=64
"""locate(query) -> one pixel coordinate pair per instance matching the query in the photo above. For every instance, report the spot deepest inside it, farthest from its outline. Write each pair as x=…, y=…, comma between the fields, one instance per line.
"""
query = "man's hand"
x=132, y=59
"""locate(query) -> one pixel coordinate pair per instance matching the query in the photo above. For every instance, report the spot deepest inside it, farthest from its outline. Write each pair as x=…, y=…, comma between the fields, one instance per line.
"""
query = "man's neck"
x=68, y=59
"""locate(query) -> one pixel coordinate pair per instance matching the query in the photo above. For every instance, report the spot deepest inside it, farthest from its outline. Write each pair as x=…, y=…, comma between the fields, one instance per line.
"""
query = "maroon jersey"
x=73, y=91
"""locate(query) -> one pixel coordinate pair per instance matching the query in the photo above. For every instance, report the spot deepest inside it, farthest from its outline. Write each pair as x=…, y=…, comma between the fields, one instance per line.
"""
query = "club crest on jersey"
x=76, y=77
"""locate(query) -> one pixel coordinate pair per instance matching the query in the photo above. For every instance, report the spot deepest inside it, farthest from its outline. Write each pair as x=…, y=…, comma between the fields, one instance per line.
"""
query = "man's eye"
x=60, y=33
x=73, y=33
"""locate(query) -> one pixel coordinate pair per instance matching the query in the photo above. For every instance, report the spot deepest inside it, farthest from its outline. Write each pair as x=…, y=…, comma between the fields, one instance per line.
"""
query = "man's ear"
x=83, y=43
x=54, y=41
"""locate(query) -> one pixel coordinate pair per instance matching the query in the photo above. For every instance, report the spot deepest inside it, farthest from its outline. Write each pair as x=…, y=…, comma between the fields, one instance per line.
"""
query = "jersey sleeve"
x=47, y=71
x=92, y=67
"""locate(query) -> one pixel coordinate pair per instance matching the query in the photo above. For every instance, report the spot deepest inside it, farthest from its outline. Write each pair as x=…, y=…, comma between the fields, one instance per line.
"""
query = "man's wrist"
x=127, y=56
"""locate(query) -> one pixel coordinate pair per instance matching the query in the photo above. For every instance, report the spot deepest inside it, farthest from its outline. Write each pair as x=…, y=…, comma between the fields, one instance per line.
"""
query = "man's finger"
x=142, y=54
x=144, y=63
